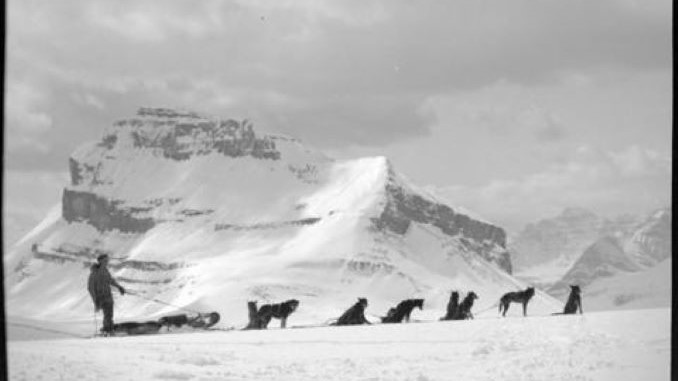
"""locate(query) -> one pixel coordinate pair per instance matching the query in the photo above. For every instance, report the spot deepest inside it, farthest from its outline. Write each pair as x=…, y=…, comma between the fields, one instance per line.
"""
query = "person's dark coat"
x=99, y=286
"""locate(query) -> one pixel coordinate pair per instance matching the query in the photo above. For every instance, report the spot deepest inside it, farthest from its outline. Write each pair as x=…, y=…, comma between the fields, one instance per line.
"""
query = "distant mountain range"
x=579, y=247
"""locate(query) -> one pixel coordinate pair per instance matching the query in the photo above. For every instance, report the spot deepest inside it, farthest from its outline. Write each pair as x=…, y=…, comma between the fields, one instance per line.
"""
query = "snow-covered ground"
x=614, y=345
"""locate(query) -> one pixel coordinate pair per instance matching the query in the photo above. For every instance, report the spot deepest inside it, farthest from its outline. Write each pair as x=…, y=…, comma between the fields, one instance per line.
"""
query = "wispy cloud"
x=611, y=183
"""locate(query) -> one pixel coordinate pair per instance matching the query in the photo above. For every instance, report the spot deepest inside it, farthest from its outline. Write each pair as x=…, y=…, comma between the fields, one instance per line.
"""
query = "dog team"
x=455, y=311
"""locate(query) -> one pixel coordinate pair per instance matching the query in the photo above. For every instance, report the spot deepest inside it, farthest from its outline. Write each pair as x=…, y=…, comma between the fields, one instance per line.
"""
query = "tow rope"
x=134, y=293
x=24, y=325
x=487, y=309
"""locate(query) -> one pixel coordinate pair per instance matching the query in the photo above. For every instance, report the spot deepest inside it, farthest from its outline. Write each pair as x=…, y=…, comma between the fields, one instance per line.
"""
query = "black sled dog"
x=402, y=311
x=452, y=306
x=516, y=297
x=279, y=311
x=464, y=310
x=573, y=302
x=354, y=315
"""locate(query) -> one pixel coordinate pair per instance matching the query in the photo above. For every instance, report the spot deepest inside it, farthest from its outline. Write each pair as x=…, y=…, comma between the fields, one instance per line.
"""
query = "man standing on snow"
x=99, y=287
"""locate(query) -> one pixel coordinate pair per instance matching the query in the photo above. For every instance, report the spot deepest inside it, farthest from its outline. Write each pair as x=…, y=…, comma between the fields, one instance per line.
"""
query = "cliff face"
x=104, y=214
x=403, y=207
x=181, y=135
x=156, y=132
x=176, y=136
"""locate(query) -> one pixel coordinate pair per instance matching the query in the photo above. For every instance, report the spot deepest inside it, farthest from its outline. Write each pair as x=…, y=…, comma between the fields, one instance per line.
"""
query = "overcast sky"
x=513, y=109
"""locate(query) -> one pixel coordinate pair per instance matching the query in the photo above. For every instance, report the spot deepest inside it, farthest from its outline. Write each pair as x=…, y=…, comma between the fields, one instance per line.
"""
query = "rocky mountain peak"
x=603, y=258
x=179, y=135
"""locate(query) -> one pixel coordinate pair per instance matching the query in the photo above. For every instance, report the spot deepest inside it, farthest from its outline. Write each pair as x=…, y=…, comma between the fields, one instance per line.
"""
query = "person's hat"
x=101, y=257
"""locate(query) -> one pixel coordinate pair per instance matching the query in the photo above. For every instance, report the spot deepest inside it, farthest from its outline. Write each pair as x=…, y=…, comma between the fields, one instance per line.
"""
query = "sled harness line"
x=30, y=326
x=488, y=308
x=161, y=302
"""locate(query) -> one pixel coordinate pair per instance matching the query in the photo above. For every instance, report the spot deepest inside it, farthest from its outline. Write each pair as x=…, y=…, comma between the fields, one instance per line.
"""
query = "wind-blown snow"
x=618, y=345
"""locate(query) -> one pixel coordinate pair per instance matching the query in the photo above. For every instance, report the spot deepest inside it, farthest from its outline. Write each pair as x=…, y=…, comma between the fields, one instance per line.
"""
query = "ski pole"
x=96, y=327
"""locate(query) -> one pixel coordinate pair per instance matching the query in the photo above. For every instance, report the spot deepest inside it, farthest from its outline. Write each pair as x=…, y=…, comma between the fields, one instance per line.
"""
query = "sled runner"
x=134, y=328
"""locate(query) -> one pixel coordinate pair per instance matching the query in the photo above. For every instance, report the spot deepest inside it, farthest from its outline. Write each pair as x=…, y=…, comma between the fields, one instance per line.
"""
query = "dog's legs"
x=525, y=309
x=265, y=321
x=283, y=322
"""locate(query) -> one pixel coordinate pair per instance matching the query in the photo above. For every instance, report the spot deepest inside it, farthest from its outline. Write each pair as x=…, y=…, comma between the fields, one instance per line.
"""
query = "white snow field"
x=613, y=345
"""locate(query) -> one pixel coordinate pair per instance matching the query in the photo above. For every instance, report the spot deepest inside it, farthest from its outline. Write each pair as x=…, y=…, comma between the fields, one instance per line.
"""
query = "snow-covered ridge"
x=651, y=241
x=174, y=135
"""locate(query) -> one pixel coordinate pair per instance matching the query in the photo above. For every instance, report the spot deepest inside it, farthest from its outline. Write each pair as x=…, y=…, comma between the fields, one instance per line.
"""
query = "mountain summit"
x=206, y=213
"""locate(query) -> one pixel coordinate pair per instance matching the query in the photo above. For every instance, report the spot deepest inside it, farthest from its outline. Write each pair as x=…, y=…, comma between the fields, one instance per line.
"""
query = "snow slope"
x=207, y=214
x=650, y=288
x=604, y=258
x=613, y=345
x=651, y=241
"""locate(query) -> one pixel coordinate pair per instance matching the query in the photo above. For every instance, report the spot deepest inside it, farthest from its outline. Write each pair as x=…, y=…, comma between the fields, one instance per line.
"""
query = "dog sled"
x=198, y=321
x=166, y=324
x=193, y=320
